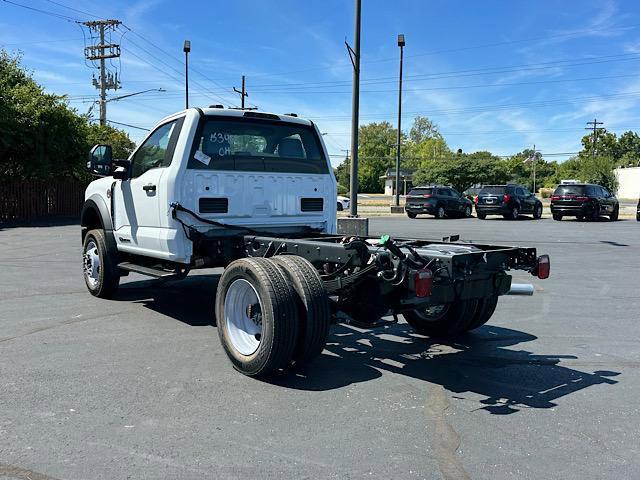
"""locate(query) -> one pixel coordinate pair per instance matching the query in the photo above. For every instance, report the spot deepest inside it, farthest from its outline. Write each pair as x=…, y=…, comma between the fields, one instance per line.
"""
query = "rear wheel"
x=537, y=211
x=557, y=217
x=313, y=306
x=412, y=215
x=99, y=262
x=257, y=316
x=614, y=216
x=594, y=215
x=467, y=211
x=580, y=217
x=481, y=216
x=440, y=213
x=340, y=207
x=445, y=321
x=513, y=214
x=486, y=308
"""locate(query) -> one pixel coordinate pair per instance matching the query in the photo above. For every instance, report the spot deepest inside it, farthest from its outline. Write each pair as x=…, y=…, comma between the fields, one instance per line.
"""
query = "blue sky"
x=494, y=75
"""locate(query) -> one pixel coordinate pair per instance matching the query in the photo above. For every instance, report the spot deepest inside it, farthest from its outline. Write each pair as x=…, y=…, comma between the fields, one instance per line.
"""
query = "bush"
x=546, y=192
x=342, y=190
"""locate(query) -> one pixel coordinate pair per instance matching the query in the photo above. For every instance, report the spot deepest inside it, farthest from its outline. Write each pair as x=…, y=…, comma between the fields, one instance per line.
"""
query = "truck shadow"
x=479, y=363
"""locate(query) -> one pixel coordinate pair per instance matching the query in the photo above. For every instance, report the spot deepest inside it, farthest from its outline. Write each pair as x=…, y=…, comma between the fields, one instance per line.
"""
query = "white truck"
x=255, y=193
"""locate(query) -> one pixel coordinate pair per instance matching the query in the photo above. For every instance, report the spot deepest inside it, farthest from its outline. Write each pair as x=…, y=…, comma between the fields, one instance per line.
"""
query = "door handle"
x=149, y=188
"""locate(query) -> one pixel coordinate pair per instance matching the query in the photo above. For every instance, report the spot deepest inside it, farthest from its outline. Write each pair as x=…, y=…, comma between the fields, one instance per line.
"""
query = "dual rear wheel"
x=271, y=313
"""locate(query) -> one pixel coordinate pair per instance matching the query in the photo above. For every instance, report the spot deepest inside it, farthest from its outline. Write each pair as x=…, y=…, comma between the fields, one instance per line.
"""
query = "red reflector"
x=427, y=195
x=423, y=283
x=544, y=267
x=506, y=198
x=581, y=199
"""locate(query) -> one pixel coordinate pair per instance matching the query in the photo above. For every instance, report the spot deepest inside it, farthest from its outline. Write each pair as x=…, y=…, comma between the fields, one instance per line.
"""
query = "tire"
x=481, y=216
x=580, y=217
x=313, y=306
x=412, y=215
x=444, y=321
x=557, y=217
x=486, y=308
x=614, y=216
x=340, y=207
x=440, y=213
x=594, y=215
x=537, y=211
x=513, y=214
x=467, y=211
x=257, y=316
x=100, y=264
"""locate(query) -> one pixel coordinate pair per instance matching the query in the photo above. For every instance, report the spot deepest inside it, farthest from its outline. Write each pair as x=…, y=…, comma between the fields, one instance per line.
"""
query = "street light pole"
x=186, y=49
x=355, y=111
x=401, y=44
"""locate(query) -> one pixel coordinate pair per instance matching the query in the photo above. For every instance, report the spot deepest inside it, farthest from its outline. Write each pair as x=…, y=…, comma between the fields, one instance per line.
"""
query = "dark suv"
x=638, y=211
x=583, y=200
x=438, y=201
x=507, y=200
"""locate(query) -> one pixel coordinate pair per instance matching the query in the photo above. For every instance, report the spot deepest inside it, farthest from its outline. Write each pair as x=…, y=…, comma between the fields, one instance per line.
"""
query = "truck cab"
x=255, y=169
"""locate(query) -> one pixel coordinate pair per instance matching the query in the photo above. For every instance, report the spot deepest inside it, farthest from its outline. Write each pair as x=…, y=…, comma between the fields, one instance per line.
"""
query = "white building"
x=406, y=181
x=629, y=182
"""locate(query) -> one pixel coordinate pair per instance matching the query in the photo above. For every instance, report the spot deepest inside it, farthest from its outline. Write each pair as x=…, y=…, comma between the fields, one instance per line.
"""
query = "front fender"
x=96, y=214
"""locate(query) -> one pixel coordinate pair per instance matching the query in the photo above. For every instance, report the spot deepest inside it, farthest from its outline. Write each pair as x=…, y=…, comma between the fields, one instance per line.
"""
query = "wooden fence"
x=29, y=199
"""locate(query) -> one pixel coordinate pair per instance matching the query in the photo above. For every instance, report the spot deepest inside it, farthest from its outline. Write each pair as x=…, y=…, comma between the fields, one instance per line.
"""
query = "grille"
x=312, y=204
x=213, y=205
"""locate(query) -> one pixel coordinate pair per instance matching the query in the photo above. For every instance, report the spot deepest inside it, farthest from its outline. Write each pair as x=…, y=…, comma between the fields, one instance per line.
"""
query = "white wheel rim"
x=91, y=264
x=441, y=212
x=433, y=312
x=243, y=317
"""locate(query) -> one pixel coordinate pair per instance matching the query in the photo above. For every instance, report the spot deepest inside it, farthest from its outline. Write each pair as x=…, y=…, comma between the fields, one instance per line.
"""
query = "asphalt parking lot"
x=139, y=387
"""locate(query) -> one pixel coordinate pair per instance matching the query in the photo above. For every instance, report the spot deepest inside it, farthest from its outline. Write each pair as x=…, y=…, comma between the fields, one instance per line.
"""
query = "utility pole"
x=354, y=54
x=242, y=93
x=596, y=129
x=101, y=52
x=401, y=44
x=532, y=159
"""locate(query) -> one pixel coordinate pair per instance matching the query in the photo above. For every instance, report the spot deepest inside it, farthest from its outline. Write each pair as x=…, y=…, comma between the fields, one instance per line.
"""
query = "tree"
x=462, y=171
x=40, y=136
x=606, y=145
x=376, y=150
x=423, y=129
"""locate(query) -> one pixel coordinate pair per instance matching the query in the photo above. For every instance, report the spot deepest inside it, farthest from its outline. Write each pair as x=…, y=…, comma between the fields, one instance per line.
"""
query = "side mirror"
x=121, y=169
x=100, y=160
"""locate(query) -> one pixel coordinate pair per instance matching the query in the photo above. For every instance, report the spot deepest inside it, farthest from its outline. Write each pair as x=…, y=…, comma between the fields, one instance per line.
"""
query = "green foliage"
x=342, y=190
x=462, y=171
x=376, y=150
x=40, y=136
x=588, y=169
x=423, y=129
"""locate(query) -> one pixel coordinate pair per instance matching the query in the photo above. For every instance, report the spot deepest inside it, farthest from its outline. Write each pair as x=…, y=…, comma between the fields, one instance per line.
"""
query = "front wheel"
x=445, y=321
x=537, y=212
x=614, y=216
x=100, y=265
x=412, y=215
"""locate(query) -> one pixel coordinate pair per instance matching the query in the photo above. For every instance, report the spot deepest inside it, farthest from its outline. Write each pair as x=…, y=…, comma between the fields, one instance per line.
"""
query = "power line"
x=130, y=126
x=45, y=12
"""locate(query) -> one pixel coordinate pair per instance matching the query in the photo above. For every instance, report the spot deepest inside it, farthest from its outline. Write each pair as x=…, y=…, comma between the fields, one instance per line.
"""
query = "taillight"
x=543, y=267
x=506, y=198
x=423, y=281
x=427, y=195
x=476, y=199
x=555, y=197
x=581, y=199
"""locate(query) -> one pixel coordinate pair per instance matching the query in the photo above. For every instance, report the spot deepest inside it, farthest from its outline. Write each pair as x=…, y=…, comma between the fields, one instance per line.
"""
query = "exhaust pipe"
x=521, y=289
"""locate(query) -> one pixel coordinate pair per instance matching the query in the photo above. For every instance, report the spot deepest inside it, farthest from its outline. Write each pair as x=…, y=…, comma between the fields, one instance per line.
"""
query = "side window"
x=454, y=192
x=519, y=191
x=605, y=192
x=525, y=192
x=444, y=191
x=157, y=150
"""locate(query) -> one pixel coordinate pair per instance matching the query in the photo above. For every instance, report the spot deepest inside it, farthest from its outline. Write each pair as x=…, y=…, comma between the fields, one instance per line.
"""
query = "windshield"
x=253, y=145
x=493, y=190
x=421, y=191
x=570, y=190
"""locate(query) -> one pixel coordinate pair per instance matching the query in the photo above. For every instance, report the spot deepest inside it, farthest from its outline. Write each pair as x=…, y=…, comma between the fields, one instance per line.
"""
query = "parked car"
x=638, y=211
x=438, y=201
x=343, y=203
x=584, y=201
x=507, y=200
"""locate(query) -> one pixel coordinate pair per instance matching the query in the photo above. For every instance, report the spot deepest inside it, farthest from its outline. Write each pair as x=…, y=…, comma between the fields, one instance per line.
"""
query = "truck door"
x=137, y=201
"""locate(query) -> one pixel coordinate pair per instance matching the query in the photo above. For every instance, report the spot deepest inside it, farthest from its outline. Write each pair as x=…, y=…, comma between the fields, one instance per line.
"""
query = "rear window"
x=254, y=145
x=570, y=190
x=421, y=191
x=493, y=190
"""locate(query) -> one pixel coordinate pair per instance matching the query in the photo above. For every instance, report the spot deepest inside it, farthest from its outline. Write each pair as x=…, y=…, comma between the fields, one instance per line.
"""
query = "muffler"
x=521, y=289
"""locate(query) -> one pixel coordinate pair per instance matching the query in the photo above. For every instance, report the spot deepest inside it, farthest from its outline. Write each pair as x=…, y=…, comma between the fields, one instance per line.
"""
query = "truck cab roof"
x=236, y=113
